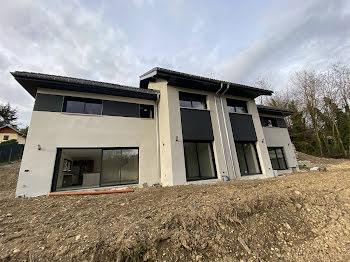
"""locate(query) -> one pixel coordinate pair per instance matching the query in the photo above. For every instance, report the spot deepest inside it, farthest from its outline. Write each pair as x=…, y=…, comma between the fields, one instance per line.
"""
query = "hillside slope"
x=301, y=217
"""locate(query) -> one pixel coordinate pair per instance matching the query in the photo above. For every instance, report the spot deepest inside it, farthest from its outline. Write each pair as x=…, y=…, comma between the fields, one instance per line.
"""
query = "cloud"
x=49, y=39
x=303, y=34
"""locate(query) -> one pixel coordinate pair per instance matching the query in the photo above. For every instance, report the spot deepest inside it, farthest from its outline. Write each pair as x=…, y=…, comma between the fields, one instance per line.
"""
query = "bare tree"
x=307, y=86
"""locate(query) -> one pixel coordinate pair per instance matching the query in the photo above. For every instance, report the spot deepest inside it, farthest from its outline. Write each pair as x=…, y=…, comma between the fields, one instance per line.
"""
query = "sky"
x=117, y=41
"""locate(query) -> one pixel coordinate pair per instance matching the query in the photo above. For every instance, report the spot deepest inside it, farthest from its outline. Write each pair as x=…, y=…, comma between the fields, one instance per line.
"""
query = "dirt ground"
x=299, y=217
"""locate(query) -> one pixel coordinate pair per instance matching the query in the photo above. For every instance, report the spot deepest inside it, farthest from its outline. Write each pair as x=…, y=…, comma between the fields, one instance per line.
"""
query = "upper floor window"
x=6, y=137
x=82, y=105
x=192, y=100
x=236, y=106
x=146, y=111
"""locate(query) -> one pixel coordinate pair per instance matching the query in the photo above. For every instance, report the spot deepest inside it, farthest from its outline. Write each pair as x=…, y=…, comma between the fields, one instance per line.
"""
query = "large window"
x=120, y=166
x=82, y=105
x=199, y=161
x=78, y=168
x=192, y=100
x=247, y=158
x=278, y=160
x=236, y=106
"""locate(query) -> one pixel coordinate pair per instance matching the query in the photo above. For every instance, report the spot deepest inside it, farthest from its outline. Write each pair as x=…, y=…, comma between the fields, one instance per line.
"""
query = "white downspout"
x=222, y=141
x=157, y=136
x=228, y=138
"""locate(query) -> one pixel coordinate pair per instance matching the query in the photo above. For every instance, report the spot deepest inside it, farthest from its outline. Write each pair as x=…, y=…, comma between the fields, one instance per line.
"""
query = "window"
x=247, y=159
x=82, y=105
x=268, y=121
x=6, y=137
x=146, y=111
x=199, y=161
x=120, y=166
x=236, y=106
x=278, y=160
x=78, y=168
x=192, y=100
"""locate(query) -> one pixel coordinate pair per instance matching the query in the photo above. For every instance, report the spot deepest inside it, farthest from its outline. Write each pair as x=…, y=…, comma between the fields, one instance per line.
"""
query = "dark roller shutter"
x=243, y=128
x=50, y=103
x=281, y=122
x=196, y=125
x=114, y=108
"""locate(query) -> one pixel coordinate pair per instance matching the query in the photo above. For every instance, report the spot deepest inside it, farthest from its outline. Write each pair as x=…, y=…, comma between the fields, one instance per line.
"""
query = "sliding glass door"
x=119, y=166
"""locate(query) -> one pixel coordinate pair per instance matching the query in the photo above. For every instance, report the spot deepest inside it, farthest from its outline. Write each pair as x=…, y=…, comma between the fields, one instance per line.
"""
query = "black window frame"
x=284, y=158
x=213, y=159
x=233, y=104
x=192, y=98
x=85, y=101
x=6, y=137
x=245, y=158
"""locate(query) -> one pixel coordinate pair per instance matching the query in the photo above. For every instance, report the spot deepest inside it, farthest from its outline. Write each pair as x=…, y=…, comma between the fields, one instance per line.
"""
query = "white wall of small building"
x=279, y=137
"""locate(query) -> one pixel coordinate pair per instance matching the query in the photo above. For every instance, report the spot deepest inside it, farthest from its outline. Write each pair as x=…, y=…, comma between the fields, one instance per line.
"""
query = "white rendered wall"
x=279, y=137
x=52, y=130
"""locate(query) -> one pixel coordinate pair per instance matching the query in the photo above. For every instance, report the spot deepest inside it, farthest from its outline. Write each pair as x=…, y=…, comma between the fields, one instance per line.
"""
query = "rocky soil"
x=299, y=217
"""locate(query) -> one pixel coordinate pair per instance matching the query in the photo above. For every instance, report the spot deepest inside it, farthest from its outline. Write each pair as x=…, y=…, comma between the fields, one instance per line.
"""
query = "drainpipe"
x=225, y=122
x=218, y=116
x=157, y=135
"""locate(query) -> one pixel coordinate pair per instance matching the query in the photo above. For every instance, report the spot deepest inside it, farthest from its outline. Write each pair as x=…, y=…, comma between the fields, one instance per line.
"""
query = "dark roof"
x=201, y=83
x=14, y=129
x=32, y=81
x=274, y=110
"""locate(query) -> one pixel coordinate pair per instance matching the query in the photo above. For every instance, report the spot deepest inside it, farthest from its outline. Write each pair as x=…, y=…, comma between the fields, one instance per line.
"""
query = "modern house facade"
x=8, y=132
x=174, y=129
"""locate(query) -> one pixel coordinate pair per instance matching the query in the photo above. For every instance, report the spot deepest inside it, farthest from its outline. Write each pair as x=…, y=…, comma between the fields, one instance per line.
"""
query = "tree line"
x=320, y=124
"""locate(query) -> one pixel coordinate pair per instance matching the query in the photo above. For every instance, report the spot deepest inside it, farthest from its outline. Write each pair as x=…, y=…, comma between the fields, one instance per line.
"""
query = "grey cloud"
x=314, y=32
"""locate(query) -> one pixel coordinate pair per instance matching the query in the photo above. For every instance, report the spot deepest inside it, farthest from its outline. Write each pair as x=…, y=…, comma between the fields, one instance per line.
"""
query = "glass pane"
x=273, y=158
x=184, y=103
x=281, y=159
x=198, y=104
x=241, y=159
x=75, y=107
x=93, y=108
x=231, y=109
x=111, y=163
x=130, y=166
x=241, y=109
x=251, y=157
x=191, y=161
x=205, y=158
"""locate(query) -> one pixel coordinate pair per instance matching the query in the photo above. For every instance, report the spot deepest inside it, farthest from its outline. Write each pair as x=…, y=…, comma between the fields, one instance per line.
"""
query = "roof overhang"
x=274, y=111
x=33, y=81
x=201, y=83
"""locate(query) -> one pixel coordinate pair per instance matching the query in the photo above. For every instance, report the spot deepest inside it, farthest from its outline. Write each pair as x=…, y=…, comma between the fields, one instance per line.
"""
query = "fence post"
x=10, y=154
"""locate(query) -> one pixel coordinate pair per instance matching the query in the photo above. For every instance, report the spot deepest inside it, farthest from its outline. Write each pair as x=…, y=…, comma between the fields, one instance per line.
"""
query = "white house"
x=174, y=129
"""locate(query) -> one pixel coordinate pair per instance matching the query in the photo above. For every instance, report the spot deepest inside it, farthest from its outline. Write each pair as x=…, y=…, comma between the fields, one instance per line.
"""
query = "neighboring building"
x=175, y=129
x=8, y=132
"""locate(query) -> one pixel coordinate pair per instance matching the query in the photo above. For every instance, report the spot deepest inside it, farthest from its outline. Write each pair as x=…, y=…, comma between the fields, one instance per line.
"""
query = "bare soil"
x=299, y=217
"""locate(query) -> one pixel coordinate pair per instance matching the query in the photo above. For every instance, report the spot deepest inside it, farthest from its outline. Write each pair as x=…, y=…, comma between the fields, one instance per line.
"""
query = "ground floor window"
x=199, y=161
x=248, y=158
x=94, y=167
x=278, y=160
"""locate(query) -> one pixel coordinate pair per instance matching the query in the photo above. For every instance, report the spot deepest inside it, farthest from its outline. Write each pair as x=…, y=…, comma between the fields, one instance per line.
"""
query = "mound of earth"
x=299, y=217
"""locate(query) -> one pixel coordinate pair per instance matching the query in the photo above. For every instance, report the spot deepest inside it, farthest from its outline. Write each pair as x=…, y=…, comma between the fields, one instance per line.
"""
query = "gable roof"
x=32, y=81
x=14, y=129
x=274, y=110
x=201, y=83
